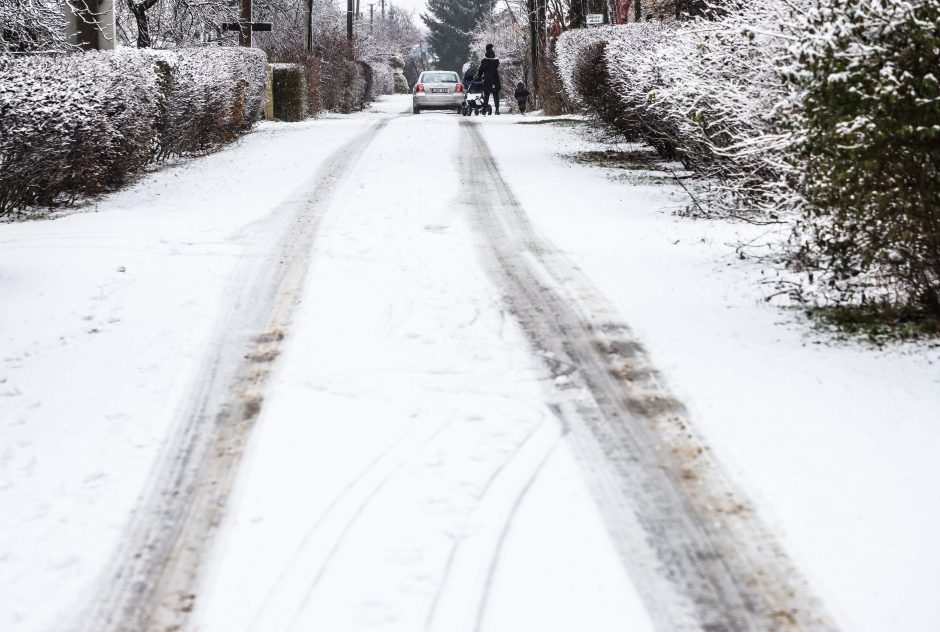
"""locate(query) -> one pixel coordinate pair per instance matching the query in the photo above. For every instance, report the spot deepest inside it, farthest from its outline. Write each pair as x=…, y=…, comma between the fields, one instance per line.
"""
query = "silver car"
x=438, y=90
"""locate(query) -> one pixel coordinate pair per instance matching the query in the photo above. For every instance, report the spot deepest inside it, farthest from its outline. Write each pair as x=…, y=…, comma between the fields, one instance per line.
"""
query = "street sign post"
x=255, y=26
x=593, y=19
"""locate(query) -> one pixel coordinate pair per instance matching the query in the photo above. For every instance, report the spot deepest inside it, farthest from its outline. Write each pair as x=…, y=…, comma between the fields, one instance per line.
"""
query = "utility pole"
x=383, y=9
x=349, y=24
x=371, y=14
x=534, y=46
x=358, y=12
x=244, y=32
x=90, y=24
x=308, y=25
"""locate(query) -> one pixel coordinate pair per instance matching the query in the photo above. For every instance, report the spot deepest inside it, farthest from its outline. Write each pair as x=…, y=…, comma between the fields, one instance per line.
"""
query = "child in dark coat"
x=522, y=96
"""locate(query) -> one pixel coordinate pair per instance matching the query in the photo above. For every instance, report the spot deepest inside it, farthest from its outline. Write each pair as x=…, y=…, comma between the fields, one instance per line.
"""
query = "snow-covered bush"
x=569, y=49
x=210, y=95
x=79, y=124
x=704, y=91
x=720, y=99
x=831, y=108
x=289, y=90
x=73, y=125
x=867, y=141
x=342, y=85
x=381, y=79
x=401, y=84
x=283, y=50
x=614, y=73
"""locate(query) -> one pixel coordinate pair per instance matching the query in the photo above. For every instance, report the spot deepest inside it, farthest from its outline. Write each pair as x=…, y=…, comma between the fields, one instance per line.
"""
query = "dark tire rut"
x=151, y=581
x=698, y=555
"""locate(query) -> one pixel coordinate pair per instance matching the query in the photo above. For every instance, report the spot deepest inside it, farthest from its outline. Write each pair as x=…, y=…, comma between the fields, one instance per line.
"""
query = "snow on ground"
x=105, y=315
x=406, y=471
x=407, y=420
x=835, y=442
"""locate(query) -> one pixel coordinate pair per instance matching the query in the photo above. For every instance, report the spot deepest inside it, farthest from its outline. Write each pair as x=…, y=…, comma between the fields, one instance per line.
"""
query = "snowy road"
x=458, y=465
x=398, y=406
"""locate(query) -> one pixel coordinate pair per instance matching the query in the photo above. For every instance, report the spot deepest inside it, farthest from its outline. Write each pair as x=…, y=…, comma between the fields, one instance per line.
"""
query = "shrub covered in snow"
x=290, y=92
x=311, y=65
x=401, y=84
x=80, y=124
x=342, y=85
x=831, y=109
x=867, y=141
x=377, y=77
x=210, y=95
x=703, y=91
x=74, y=125
x=383, y=81
x=569, y=51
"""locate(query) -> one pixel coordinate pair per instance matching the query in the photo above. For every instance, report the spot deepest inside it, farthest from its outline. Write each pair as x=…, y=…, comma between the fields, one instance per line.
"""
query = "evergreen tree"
x=450, y=25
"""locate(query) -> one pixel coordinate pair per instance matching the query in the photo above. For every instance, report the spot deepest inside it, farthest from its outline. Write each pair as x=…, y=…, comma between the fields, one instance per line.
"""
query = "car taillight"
x=419, y=87
x=458, y=88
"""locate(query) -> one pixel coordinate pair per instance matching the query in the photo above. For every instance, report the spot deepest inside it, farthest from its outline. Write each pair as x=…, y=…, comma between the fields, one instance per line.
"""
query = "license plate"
x=439, y=90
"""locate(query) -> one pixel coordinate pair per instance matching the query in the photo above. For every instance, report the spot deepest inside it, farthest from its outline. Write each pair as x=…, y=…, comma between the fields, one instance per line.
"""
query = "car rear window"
x=439, y=77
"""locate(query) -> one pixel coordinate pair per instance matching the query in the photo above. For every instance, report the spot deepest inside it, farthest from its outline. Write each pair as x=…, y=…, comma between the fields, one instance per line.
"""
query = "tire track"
x=699, y=556
x=150, y=582
x=456, y=546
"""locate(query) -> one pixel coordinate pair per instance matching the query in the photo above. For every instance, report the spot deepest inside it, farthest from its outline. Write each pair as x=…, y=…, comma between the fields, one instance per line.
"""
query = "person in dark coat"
x=489, y=72
x=522, y=96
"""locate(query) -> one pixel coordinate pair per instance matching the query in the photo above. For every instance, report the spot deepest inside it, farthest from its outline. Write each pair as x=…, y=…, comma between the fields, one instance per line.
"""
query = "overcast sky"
x=418, y=6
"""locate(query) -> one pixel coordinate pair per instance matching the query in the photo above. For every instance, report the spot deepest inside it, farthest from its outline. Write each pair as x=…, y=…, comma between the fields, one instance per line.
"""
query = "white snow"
x=406, y=471
x=835, y=442
x=105, y=314
x=405, y=423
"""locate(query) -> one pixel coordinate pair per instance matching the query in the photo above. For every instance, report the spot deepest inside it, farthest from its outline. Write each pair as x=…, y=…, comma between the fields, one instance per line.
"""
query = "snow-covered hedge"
x=209, y=96
x=827, y=110
x=867, y=151
x=383, y=81
x=79, y=124
x=289, y=90
x=703, y=91
x=342, y=85
x=401, y=84
x=74, y=125
x=570, y=49
x=283, y=51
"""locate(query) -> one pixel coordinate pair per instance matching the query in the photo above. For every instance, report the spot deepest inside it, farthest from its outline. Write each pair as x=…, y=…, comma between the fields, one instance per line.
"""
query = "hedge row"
x=866, y=152
x=84, y=123
x=825, y=111
x=703, y=92
x=290, y=92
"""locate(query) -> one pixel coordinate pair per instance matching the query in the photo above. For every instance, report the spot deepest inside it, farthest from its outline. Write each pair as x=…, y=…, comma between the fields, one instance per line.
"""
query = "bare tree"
x=30, y=26
x=138, y=9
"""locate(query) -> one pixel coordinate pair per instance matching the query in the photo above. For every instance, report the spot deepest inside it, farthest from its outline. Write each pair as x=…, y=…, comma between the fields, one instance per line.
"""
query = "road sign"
x=255, y=26
x=595, y=18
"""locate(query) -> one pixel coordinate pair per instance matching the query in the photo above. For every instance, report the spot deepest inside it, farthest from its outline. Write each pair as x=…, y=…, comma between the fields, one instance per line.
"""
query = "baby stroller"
x=474, y=102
